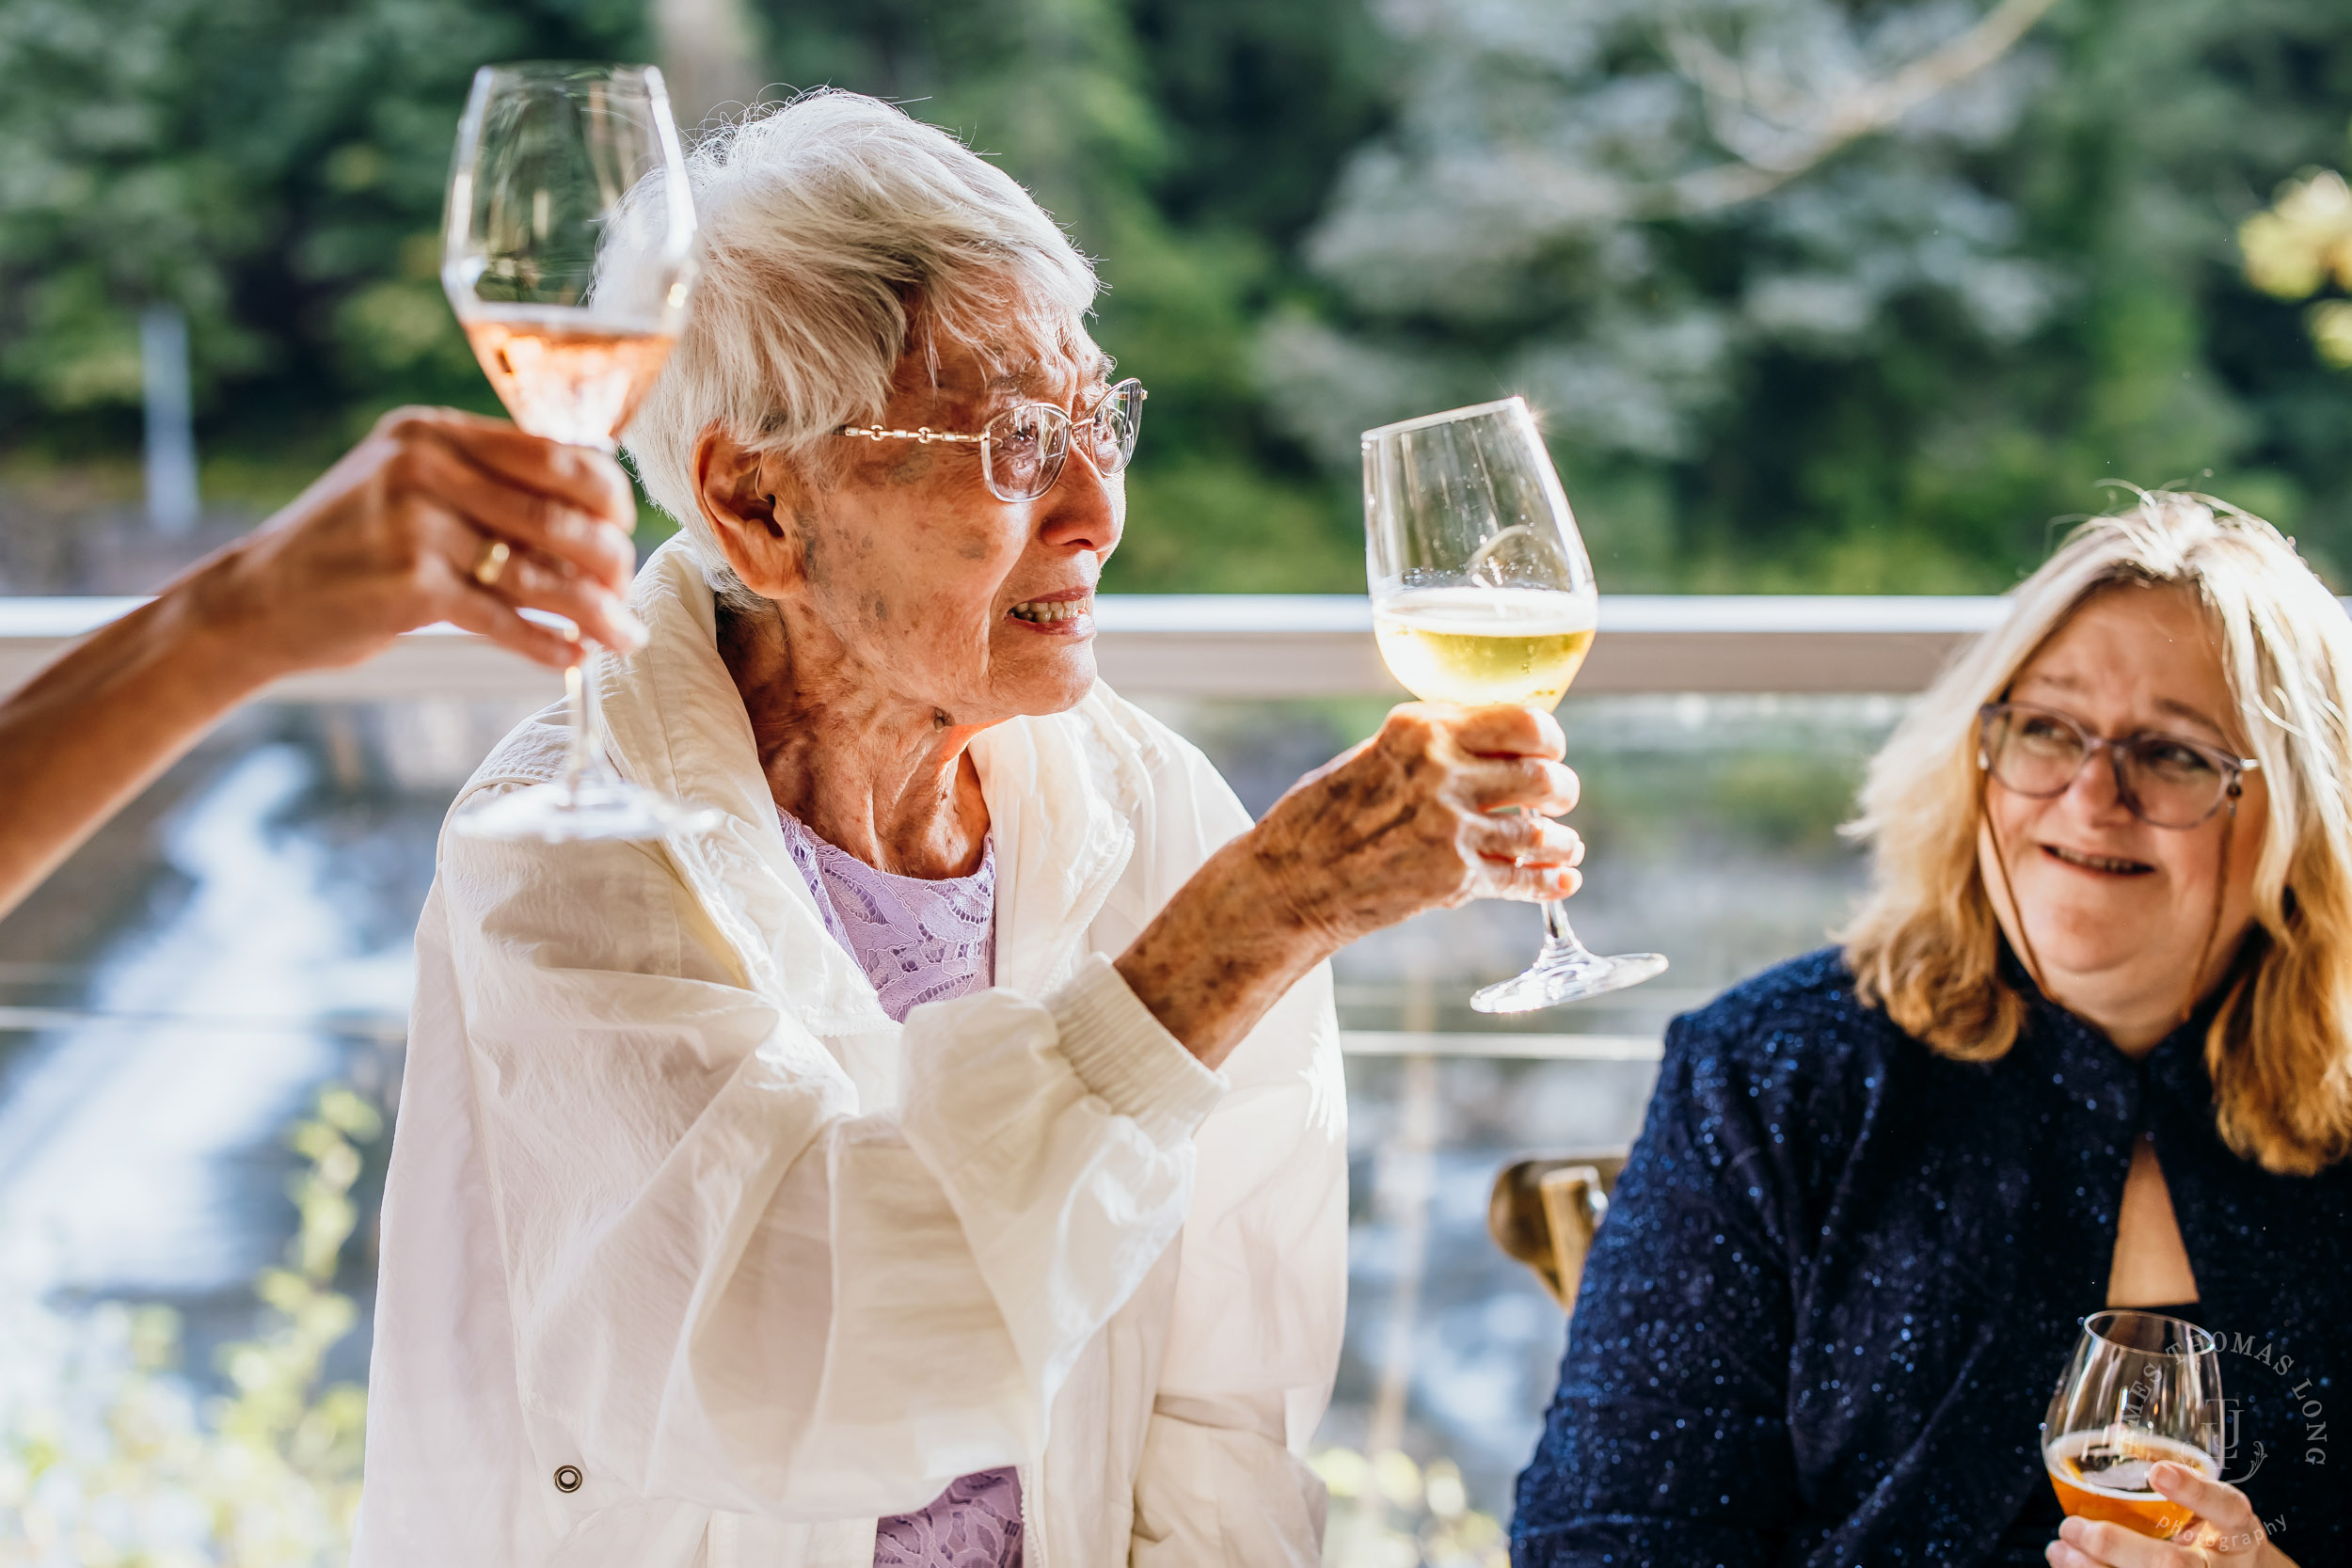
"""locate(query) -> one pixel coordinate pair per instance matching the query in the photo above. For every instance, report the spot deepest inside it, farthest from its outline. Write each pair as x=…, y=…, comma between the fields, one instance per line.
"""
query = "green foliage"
x=1136, y=129
x=274, y=167
x=112, y=1465
x=1891, y=371
x=2297, y=246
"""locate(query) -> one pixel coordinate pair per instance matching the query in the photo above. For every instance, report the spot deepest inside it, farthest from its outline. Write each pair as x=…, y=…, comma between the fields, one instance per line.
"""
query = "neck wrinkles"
x=879, y=776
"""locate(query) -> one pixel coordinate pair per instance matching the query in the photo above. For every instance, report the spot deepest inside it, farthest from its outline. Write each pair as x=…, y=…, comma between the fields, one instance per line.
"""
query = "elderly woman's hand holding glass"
x=943, y=1159
x=925, y=576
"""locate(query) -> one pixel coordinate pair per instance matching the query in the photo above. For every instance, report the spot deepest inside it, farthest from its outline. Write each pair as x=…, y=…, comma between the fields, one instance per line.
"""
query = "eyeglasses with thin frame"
x=1023, y=448
x=2164, y=780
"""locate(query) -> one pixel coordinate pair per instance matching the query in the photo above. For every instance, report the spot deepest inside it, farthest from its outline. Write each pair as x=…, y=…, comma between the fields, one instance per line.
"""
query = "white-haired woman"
x=2089, y=1044
x=858, y=1185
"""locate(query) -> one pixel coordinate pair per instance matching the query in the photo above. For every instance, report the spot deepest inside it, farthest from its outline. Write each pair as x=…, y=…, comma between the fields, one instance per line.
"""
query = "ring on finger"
x=491, y=561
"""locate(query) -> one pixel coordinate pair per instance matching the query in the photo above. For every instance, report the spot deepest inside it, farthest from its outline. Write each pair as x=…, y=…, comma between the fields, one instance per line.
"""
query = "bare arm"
x=1401, y=824
x=383, y=542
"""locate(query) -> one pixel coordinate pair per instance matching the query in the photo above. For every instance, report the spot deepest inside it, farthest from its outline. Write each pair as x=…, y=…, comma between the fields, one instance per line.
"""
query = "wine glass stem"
x=1557, y=934
x=584, y=758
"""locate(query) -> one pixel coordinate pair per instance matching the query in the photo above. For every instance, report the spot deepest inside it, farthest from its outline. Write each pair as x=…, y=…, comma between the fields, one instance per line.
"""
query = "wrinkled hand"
x=388, y=538
x=2227, y=1532
x=1401, y=824
x=1407, y=821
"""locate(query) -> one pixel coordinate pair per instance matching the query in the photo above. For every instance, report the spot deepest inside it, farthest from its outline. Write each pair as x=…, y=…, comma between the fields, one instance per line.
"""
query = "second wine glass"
x=568, y=254
x=1482, y=593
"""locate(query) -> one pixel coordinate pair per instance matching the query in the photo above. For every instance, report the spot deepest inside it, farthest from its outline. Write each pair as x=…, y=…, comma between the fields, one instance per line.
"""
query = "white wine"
x=1485, y=645
x=562, y=377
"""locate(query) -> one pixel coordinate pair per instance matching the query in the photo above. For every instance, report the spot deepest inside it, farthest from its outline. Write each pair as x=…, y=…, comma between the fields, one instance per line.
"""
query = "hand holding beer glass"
x=2143, y=1389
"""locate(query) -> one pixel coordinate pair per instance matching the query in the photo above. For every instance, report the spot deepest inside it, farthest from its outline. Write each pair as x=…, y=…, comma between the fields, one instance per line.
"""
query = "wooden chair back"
x=1544, y=1211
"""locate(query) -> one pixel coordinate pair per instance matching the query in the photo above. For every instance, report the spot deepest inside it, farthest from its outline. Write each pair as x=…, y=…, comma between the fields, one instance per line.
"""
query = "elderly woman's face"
x=917, y=580
x=2118, y=909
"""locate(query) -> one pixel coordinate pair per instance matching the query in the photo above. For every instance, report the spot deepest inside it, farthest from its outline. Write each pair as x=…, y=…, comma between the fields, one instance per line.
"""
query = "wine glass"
x=568, y=254
x=1482, y=593
x=2141, y=1389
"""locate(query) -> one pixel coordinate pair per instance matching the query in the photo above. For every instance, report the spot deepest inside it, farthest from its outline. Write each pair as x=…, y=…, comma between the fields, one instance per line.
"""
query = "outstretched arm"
x=385, y=541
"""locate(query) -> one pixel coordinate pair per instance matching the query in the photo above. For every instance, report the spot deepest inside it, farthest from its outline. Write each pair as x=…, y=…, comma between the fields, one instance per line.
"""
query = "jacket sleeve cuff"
x=1127, y=1058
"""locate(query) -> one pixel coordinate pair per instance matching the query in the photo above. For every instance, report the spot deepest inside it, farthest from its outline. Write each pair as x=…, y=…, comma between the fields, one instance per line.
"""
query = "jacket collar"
x=2178, y=1060
x=676, y=723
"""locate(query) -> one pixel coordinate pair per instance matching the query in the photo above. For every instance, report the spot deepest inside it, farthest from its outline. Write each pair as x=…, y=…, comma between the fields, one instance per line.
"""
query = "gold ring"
x=491, y=561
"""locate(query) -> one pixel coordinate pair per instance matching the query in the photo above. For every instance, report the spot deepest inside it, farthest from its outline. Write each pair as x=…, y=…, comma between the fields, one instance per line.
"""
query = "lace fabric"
x=974, y=1524
x=918, y=942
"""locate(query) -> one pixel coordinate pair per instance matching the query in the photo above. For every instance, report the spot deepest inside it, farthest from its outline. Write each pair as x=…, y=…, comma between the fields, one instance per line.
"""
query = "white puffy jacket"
x=691, y=1256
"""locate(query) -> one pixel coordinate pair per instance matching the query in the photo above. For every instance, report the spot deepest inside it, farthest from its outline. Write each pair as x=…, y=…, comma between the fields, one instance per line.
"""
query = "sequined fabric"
x=1842, y=1275
x=918, y=942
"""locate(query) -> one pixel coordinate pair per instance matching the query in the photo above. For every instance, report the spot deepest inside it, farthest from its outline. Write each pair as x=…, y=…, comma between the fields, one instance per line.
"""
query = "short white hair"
x=828, y=225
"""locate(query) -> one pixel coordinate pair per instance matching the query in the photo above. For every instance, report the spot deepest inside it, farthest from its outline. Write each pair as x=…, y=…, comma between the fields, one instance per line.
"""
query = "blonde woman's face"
x=2118, y=909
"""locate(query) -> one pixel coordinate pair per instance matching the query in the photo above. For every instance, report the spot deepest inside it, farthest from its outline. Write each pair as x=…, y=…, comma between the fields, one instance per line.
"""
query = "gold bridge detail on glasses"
x=924, y=433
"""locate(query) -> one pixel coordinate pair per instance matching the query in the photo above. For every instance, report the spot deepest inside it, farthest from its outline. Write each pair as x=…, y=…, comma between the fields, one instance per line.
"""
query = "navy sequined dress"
x=1842, y=1274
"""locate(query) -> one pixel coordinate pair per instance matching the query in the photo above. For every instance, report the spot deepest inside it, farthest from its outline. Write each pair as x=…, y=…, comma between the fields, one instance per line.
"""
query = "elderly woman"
x=942, y=1162
x=2087, y=1045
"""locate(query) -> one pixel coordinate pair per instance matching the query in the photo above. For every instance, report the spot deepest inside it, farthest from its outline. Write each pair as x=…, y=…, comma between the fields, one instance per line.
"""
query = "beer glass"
x=2143, y=1389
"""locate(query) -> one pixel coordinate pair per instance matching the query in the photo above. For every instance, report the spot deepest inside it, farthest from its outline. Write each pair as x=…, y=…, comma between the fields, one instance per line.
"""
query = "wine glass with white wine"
x=1482, y=593
x=568, y=253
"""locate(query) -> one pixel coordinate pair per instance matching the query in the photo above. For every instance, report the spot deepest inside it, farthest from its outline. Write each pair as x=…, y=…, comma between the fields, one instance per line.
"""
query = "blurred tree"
x=1887, y=369
x=1794, y=321
x=272, y=167
x=2299, y=244
x=1149, y=133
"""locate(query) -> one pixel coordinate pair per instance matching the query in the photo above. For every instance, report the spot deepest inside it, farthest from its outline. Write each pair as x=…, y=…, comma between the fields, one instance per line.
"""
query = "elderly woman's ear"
x=753, y=501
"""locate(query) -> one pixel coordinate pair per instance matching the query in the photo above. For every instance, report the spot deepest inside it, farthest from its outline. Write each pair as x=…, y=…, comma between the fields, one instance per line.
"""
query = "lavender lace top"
x=920, y=941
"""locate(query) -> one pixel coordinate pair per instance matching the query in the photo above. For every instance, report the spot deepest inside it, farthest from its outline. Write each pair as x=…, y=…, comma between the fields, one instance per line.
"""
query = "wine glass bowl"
x=1482, y=593
x=568, y=254
x=2141, y=1389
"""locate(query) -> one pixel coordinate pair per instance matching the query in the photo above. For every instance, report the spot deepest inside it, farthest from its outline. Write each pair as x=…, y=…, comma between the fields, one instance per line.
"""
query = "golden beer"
x=1473, y=645
x=2104, y=1475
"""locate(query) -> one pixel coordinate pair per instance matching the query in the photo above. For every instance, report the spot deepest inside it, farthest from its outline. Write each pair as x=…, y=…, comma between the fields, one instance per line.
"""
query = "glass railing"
x=180, y=995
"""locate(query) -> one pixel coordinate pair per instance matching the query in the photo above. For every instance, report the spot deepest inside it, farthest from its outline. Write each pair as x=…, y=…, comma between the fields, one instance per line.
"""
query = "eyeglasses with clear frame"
x=1023, y=448
x=2165, y=780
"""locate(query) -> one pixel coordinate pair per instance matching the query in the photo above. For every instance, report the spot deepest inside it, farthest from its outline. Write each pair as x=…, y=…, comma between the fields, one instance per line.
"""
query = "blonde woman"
x=2085, y=1046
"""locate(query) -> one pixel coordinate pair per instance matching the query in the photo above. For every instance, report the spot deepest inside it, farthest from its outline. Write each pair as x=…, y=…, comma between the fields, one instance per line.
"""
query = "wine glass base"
x=1564, y=973
x=594, y=809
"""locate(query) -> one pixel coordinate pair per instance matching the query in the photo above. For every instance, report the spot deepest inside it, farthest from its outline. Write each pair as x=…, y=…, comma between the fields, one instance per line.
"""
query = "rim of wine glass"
x=572, y=67
x=1475, y=411
x=2199, y=1341
x=685, y=227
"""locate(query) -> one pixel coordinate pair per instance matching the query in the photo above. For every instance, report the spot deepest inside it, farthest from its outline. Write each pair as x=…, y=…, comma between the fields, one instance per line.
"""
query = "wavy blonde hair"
x=1926, y=945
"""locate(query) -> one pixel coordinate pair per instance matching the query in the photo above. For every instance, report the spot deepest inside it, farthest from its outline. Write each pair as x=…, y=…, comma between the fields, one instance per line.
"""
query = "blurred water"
x=147, y=1069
